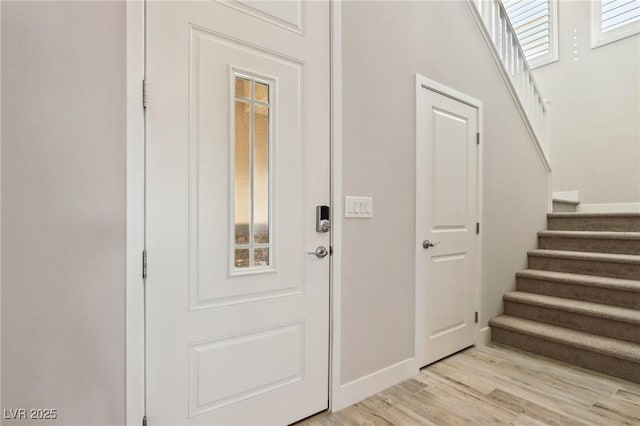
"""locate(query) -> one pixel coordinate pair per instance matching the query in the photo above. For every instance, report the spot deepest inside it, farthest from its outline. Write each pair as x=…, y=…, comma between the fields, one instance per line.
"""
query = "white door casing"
x=447, y=210
x=229, y=344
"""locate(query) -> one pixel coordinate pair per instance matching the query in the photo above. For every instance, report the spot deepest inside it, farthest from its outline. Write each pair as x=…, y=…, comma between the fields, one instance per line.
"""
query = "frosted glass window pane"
x=243, y=88
x=261, y=174
x=242, y=177
x=261, y=92
x=261, y=257
x=241, y=259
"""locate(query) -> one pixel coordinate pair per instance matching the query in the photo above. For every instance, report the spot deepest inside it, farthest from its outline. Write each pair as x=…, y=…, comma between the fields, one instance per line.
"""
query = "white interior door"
x=237, y=160
x=446, y=215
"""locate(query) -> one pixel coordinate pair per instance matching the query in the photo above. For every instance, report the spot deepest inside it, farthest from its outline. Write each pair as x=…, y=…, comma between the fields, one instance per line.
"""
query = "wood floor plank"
x=358, y=415
x=401, y=416
x=475, y=409
x=496, y=385
x=532, y=409
x=377, y=402
x=524, y=420
x=628, y=395
x=625, y=409
x=613, y=417
x=557, y=381
x=423, y=405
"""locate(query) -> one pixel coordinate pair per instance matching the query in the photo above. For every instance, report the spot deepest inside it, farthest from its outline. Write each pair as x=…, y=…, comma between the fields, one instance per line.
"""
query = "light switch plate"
x=358, y=207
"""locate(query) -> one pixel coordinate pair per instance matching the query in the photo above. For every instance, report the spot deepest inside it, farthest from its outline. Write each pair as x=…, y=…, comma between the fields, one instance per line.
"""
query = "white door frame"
x=481, y=336
x=135, y=401
x=135, y=229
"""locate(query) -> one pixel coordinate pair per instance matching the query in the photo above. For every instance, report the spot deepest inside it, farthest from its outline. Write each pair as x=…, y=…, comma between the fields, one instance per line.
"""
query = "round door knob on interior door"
x=321, y=252
x=426, y=244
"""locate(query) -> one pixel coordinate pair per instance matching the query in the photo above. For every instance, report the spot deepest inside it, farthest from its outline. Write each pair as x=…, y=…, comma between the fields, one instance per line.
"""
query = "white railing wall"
x=497, y=28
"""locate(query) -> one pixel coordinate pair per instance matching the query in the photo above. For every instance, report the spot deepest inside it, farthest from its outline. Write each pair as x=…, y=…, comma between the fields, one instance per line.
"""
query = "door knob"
x=426, y=244
x=321, y=252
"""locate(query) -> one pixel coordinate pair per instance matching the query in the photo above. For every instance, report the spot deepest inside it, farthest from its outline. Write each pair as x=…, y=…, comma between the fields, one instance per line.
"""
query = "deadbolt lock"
x=323, y=219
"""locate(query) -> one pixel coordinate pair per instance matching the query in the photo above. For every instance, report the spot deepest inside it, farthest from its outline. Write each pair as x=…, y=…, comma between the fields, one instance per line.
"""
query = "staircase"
x=579, y=301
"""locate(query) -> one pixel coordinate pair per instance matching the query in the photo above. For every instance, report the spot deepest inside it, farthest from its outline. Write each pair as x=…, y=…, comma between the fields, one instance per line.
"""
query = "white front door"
x=237, y=156
x=446, y=215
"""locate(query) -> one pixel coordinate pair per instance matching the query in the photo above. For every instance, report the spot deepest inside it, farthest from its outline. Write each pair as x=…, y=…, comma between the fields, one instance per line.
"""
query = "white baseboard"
x=609, y=208
x=570, y=196
x=484, y=336
x=364, y=387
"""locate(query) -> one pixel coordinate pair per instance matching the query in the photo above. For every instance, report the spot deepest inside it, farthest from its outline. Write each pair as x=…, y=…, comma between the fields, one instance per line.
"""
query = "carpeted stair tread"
x=579, y=279
x=603, y=235
x=594, y=215
x=615, y=313
x=590, y=256
x=586, y=341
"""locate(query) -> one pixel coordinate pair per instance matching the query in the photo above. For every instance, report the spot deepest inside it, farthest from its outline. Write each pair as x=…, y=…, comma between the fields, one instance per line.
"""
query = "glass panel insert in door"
x=252, y=118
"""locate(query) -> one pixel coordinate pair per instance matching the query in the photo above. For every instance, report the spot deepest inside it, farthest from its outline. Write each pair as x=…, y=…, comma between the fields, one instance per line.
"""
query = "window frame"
x=271, y=82
x=600, y=38
x=552, y=55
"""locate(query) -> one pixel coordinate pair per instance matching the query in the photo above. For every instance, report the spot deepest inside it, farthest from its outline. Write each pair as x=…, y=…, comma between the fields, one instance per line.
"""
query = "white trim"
x=567, y=196
x=598, y=38
x=512, y=90
x=446, y=90
x=335, y=320
x=480, y=214
x=134, y=284
x=271, y=105
x=552, y=55
x=483, y=337
x=609, y=208
x=420, y=310
x=364, y=387
x=0, y=200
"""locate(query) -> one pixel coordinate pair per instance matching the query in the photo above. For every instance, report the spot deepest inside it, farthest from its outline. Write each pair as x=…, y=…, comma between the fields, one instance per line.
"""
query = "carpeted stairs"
x=579, y=301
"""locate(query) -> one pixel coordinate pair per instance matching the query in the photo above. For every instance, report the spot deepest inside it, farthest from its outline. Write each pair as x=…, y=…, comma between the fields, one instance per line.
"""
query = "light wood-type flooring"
x=496, y=385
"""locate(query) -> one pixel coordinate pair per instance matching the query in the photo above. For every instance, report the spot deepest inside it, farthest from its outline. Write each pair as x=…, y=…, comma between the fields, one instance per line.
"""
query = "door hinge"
x=476, y=317
x=477, y=227
x=144, y=264
x=145, y=94
x=478, y=138
x=144, y=421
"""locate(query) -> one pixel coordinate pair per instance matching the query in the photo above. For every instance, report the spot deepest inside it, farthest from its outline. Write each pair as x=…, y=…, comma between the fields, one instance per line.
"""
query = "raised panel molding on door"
x=237, y=159
x=290, y=15
x=250, y=375
x=211, y=259
x=447, y=210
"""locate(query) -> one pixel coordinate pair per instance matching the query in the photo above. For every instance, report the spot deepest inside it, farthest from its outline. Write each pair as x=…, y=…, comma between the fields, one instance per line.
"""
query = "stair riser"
x=587, y=267
x=559, y=207
x=606, y=296
x=581, y=322
x=617, y=367
x=618, y=246
x=612, y=224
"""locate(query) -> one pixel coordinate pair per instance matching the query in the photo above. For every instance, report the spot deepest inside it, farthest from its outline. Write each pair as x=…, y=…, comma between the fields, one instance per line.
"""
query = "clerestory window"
x=536, y=25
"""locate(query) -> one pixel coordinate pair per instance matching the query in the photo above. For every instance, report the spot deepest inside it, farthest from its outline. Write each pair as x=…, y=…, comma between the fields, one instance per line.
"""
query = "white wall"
x=384, y=45
x=63, y=209
x=595, y=111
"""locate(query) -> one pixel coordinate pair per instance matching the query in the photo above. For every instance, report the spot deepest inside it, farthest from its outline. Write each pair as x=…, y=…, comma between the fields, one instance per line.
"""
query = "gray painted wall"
x=595, y=111
x=63, y=209
x=385, y=44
